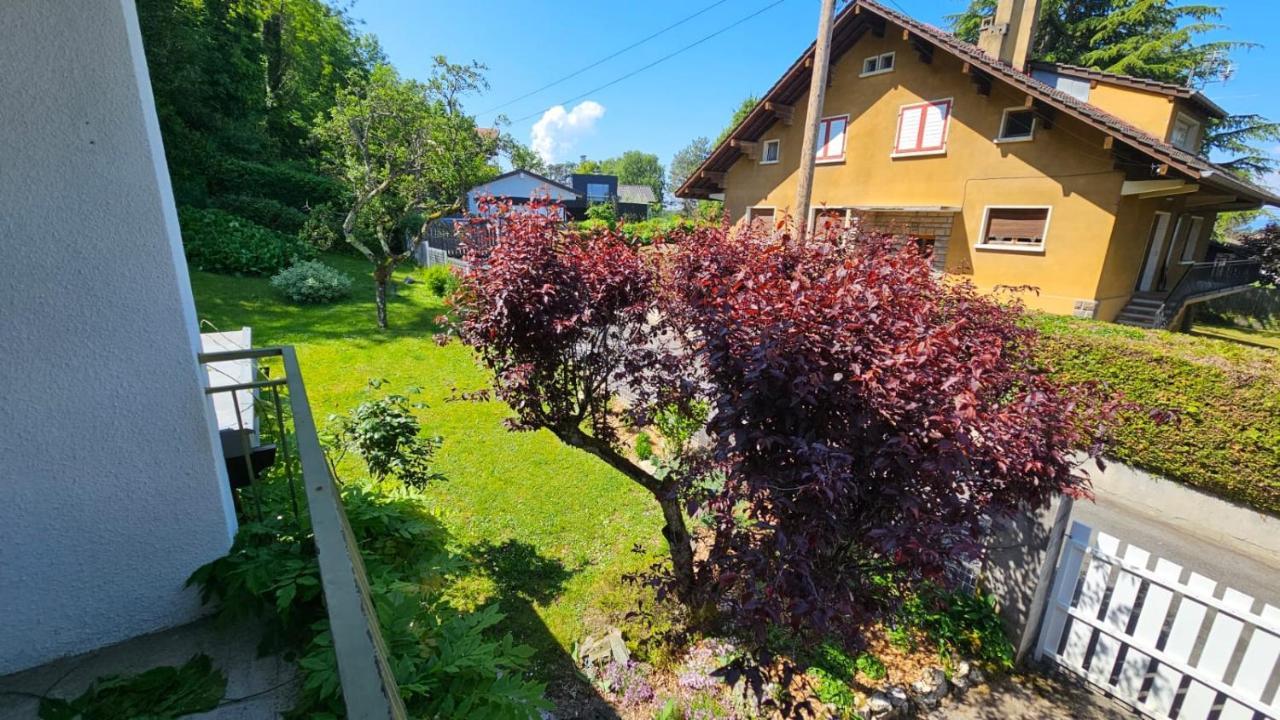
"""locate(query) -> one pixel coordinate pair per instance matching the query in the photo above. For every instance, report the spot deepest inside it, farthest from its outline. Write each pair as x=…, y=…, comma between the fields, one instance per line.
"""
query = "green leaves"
x=157, y=694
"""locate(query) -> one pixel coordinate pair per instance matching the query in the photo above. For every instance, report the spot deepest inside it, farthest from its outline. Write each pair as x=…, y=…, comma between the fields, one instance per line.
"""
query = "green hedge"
x=1226, y=438
x=268, y=213
x=217, y=241
x=287, y=183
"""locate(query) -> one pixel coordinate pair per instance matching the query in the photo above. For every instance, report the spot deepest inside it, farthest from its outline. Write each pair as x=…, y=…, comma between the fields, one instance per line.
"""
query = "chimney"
x=1008, y=35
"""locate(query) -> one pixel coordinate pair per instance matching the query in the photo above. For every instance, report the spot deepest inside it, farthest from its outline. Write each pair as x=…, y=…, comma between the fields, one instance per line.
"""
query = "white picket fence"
x=1167, y=646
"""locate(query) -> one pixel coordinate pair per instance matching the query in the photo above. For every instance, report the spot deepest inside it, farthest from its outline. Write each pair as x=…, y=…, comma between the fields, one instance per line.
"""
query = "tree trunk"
x=679, y=541
x=381, y=275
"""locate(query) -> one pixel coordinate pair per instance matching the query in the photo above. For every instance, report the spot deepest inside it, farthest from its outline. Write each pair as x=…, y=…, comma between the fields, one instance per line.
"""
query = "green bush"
x=441, y=280
x=311, y=282
x=448, y=663
x=958, y=622
x=266, y=212
x=217, y=241
x=644, y=446
x=291, y=184
x=603, y=212
x=386, y=434
x=1225, y=397
x=157, y=694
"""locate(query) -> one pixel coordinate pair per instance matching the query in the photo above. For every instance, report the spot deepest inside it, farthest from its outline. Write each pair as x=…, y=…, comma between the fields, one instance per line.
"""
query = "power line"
x=602, y=60
x=659, y=61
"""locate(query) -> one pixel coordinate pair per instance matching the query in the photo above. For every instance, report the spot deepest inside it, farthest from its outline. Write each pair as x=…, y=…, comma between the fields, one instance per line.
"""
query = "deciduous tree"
x=409, y=154
x=868, y=419
x=687, y=160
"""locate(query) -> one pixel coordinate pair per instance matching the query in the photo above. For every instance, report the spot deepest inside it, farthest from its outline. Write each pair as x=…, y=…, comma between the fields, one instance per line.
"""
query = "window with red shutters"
x=923, y=128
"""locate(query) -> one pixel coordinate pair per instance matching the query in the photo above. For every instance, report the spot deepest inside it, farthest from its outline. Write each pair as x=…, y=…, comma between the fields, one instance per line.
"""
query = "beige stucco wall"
x=1065, y=168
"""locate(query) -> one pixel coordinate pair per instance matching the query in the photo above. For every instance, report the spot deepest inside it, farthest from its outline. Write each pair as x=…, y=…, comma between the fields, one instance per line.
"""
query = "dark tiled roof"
x=1171, y=89
x=847, y=32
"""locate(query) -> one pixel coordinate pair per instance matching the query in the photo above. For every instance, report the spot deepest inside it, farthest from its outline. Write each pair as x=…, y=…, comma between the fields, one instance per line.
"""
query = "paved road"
x=1162, y=537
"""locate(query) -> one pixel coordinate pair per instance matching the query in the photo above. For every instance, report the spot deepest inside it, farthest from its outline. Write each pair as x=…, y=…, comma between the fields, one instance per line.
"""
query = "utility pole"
x=817, y=92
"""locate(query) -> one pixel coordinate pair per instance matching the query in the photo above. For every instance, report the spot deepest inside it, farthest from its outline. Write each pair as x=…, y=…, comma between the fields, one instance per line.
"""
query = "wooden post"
x=817, y=92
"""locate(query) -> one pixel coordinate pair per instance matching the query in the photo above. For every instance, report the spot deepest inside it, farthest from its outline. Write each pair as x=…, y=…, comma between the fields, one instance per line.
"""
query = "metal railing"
x=369, y=687
x=1206, y=280
x=452, y=236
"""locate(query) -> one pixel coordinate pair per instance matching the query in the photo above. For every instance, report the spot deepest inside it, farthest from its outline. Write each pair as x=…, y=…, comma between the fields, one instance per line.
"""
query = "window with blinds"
x=1017, y=228
x=922, y=128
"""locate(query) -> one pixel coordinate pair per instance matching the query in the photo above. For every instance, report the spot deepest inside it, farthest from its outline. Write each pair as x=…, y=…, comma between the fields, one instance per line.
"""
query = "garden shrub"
x=385, y=433
x=288, y=183
x=447, y=662
x=603, y=212
x=960, y=623
x=1225, y=398
x=217, y=241
x=266, y=212
x=644, y=446
x=442, y=280
x=312, y=282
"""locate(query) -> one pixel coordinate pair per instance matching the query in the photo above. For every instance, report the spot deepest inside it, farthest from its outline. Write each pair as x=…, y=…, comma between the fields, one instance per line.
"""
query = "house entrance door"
x=1155, y=252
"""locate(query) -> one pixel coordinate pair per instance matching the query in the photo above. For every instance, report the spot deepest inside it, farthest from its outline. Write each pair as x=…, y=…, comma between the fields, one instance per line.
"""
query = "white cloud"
x=558, y=129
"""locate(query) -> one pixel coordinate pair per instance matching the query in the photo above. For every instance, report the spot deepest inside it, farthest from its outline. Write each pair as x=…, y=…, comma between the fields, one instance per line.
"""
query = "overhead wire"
x=607, y=58
x=659, y=61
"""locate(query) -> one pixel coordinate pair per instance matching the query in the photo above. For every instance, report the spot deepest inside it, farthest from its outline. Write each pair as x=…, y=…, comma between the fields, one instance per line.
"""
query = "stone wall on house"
x=932, y=226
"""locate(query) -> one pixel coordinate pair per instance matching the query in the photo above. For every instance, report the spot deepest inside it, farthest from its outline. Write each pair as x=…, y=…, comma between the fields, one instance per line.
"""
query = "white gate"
x=1168, y=646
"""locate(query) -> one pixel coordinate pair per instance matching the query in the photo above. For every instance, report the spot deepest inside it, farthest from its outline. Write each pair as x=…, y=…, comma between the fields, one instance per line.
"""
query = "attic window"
x=878, y=64
x=1015, y=228
x=772, y=151
x=1018, y=125
x=1185, y=133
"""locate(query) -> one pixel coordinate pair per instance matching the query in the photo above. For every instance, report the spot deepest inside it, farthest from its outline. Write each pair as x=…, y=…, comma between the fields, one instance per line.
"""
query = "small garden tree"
x=567, y=323
x=408, y=153
x=867, y=416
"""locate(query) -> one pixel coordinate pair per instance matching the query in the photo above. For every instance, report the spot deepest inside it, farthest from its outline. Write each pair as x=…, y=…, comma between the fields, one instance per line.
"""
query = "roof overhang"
x=1140, y=154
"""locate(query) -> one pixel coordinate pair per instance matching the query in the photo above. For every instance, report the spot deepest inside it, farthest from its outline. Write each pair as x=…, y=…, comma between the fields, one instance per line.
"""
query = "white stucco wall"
x=111, y=489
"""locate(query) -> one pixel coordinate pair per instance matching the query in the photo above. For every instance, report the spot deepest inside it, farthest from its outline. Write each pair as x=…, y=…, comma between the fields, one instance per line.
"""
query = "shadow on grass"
x=522, y=578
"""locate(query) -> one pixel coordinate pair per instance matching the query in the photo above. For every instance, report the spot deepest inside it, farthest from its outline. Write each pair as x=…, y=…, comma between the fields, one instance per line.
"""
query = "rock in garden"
x=976, y=677
x=879, y=705
x=930, y=688
x=897, y=696
x=409, y=280
x=960, y=679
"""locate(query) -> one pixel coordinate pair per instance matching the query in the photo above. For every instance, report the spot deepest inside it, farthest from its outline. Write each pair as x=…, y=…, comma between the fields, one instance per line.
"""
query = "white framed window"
x=923, y=128
x=1016, y=227
x=761, y=212
x=1017, y=125
x=824, y=218
x=831, y=139
x=878, y=64
x=1185, y=134
x=1193, y=239
x=770, y=152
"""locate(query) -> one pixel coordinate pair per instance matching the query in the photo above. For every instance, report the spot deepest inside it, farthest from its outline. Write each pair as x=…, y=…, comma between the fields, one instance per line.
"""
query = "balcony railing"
x=1206, y=280
x=369, y=687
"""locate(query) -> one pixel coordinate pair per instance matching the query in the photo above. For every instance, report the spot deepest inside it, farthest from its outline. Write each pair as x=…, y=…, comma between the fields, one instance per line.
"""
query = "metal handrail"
x=369, y=687
x=1205, y=278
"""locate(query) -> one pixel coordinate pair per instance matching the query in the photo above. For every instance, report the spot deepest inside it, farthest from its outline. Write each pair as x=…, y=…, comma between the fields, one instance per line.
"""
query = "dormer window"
x=1018, y=125
x=878, y=64
x=1186, y=133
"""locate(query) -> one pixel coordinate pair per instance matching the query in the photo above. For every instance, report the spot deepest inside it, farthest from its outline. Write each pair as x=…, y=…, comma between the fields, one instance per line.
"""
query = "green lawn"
x=1247, y=336
x=554, y=526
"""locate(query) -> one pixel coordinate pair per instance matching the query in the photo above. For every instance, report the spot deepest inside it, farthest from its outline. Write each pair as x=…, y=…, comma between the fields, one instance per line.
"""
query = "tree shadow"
x=524, y=577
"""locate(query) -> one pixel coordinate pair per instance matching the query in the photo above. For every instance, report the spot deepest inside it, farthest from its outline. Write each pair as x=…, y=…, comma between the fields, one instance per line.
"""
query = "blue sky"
x=529, y=43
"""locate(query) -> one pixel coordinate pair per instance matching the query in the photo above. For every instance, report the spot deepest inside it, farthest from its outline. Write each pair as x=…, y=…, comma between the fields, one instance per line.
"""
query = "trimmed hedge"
x=1226, y=438
x=286, y=183
x=217, y=241
x=266, y=212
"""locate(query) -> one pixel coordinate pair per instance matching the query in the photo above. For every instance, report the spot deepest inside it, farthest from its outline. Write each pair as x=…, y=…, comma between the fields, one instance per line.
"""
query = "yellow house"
x=1085, y=188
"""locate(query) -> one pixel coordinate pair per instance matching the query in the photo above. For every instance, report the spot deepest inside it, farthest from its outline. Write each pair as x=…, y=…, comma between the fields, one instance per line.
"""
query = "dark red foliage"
x=567, y=323
x=868, y=417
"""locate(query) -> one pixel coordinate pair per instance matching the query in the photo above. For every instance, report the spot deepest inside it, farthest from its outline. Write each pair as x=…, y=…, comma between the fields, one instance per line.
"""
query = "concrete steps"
x=1141, y=310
